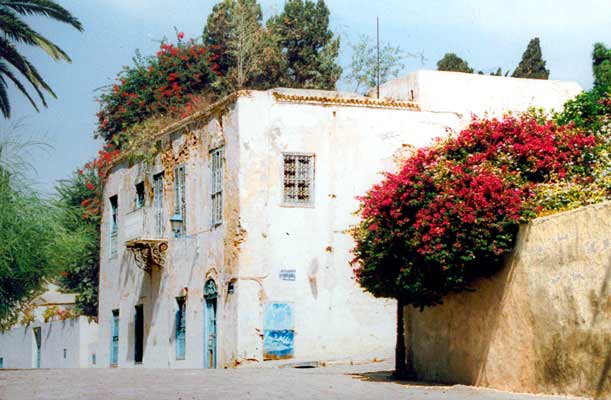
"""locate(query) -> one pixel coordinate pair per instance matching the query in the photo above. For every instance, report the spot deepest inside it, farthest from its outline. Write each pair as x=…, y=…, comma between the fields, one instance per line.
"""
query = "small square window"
x=298, y=179
x=140, y=195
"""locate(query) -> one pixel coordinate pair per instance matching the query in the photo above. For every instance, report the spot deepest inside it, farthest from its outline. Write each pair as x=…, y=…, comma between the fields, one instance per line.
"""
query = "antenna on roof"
x=378, y=56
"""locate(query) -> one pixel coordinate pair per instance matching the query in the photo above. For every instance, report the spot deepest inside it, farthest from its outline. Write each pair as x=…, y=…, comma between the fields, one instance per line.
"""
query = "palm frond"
x=9, y=53
x=4, y=70
x=18, y=31
x=45, y=8
x=5, y=106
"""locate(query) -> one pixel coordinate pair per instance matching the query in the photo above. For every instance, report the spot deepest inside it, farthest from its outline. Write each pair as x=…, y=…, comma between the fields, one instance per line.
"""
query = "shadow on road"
x=387, y=376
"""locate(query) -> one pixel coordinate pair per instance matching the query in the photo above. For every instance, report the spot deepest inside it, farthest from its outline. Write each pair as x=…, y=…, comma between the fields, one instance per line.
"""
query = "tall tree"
x=451, y=62
x=363, y=67
x=601, y=65
x=532, y=65
x=310, y=48
x=217, y=34
x=242, y=52
x=74, y=249
x=16, y=32
x=26, y=226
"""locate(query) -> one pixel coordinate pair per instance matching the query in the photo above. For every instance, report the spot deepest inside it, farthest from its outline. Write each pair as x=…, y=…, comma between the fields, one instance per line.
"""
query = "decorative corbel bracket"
x=148, y=252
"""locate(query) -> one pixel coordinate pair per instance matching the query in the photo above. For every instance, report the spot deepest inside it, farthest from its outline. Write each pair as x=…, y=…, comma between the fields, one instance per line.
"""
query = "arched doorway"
x=210, y=296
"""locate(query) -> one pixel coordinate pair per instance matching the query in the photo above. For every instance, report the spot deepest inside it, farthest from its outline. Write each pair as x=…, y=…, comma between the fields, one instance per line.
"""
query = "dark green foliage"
x=451, y=62
x=217, y=35
x=532, y=65
x=601, y=65
x=26, y=225
x=302, y=31
x=241, y=51
x=75, y=247
x=16, y=33
x=588, y=110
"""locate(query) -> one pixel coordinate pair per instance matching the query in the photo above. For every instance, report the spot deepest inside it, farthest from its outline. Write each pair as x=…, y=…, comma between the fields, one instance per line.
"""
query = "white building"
x=262, y=189
x=56, y=343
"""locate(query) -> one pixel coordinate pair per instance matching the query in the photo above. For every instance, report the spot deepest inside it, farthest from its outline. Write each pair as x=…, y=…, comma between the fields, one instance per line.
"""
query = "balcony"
x=148, y=253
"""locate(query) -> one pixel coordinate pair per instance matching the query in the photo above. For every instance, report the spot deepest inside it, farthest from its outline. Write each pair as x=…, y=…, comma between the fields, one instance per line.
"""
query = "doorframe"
x=37, y=346
x=210, y=296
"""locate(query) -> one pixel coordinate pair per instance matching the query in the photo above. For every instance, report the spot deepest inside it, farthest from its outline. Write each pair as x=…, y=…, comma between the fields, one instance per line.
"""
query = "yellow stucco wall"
x=542, y=324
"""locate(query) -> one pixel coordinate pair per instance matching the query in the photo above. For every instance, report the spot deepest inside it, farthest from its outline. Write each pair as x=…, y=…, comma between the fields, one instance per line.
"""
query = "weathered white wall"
x=191, y=259
x=478, y=94
x=334, y=318
x=17, y=346
x=542, y=324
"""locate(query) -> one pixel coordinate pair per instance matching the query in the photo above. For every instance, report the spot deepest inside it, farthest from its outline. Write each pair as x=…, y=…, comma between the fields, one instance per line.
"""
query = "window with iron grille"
x=114, y=224
x=216, y=167
x=298, y=179
x=180, y=203
x=139, y=194
x=158, y=204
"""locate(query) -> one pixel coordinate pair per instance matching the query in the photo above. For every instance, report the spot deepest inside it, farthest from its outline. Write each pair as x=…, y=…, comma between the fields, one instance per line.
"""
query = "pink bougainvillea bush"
x=451, y=213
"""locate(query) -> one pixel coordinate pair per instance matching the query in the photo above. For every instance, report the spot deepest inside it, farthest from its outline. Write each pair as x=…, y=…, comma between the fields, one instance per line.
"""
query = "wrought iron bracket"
x=148, y=252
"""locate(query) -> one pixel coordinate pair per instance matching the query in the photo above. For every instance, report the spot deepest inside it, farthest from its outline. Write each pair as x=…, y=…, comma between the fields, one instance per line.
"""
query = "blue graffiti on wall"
x=278, y=331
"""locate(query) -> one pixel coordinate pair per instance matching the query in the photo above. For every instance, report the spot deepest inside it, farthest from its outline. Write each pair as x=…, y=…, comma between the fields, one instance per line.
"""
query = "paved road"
x=369, y=381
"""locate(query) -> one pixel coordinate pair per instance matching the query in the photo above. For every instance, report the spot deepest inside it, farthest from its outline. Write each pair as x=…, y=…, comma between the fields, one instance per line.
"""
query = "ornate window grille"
x=216, y=167
x=298, y=179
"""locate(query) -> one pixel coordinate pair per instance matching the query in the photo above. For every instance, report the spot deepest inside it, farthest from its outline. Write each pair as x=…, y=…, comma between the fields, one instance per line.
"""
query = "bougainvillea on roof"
x=450, y=215
x=161, y=84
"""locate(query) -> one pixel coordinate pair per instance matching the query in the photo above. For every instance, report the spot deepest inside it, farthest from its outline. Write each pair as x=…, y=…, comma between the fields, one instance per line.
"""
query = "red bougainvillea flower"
x=451, y=213
x=90, y=186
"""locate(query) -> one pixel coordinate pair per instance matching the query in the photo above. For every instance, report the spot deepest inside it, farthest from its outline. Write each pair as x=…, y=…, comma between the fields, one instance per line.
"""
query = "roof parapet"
x=347, y=101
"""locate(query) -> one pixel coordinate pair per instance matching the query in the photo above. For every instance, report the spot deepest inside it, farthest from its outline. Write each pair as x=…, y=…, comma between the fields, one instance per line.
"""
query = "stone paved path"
x=370, y=381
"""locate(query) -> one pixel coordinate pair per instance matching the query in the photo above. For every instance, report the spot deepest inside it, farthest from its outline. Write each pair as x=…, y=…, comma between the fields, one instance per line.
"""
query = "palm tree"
x=16, y=31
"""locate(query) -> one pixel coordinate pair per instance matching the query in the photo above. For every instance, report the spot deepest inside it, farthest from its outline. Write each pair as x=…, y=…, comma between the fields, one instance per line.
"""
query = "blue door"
x=278, y=331
x=210, y=296
x=38, y=341
x=114, y=341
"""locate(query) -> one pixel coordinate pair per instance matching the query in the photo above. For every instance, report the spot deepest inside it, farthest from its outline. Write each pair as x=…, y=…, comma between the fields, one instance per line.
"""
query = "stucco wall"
x=334, y=318
x=542, y=324
x=203, y=252
x=17, y=346
x=478, y=94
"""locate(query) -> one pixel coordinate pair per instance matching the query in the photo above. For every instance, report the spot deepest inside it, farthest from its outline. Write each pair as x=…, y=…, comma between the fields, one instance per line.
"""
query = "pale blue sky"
x=487, y=33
